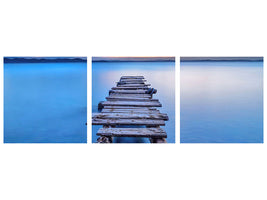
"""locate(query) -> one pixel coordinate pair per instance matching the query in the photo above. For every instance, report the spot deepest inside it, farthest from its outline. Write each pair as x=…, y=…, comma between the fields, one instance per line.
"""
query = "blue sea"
x=45, y=102
x=221, y=102
x=161, y=76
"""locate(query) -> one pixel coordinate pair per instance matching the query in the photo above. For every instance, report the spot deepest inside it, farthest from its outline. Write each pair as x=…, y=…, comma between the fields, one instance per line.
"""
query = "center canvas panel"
x=133, y=100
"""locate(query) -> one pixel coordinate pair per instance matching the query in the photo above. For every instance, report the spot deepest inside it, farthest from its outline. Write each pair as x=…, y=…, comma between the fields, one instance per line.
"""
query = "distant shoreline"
x=43, y=59
x=197, y=59
x=133, y=59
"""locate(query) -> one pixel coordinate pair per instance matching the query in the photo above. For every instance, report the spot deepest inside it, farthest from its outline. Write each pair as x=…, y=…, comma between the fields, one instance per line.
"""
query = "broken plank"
x=161, y=116
x=131, y=103
x=132, y=132
x=139, y=122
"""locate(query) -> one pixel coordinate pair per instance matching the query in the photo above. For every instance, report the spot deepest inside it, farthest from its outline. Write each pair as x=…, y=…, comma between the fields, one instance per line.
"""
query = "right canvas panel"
x=221, y=99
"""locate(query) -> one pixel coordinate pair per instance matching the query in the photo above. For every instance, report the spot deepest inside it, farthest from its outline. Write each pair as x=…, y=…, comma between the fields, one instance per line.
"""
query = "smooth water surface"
x=161, y=75
x=221, y=102
x=45, y=102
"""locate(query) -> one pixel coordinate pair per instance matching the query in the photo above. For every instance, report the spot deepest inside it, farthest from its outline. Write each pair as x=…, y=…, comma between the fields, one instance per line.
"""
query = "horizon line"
x=226, y=58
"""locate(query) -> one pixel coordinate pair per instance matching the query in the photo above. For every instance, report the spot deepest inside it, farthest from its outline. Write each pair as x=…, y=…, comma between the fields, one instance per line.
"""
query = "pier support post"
x=158, y=140
x=103, y=139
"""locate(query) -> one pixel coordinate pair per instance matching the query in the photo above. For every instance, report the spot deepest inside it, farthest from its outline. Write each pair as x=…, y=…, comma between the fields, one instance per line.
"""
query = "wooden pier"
x=130, y=103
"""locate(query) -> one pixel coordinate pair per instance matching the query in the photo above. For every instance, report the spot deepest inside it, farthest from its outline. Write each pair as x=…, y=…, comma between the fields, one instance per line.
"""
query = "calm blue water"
x=161, y=75
x=45, y=102
x=221, y=102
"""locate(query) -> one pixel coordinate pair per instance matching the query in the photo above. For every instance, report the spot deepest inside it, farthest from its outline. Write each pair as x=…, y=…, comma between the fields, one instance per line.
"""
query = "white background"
x=132, y=28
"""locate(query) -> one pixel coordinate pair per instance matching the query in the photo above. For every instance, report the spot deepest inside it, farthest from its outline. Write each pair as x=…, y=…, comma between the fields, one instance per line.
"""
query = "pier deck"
x=130, y=103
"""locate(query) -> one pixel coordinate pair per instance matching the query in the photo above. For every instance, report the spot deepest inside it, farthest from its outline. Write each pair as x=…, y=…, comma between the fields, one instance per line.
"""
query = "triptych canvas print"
x=133, y=99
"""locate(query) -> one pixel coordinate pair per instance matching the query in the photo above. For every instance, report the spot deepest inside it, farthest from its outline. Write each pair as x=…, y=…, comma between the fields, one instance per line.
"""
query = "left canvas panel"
x=45, y=99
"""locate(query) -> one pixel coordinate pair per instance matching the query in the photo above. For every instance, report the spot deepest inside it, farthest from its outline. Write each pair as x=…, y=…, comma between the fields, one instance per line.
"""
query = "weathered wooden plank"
x=134, y=85
x=161, y=116
x=130, y=95
x=115, y=122
x=129, y=108
x=128, y=91
x=132, y=103
x=129, y=81
x=129, y=111
x=133, y=132
x=132, y=80
x=139, y=81
x=129, y=88
x=125, y=84
x=148, y=91
x=129, y=99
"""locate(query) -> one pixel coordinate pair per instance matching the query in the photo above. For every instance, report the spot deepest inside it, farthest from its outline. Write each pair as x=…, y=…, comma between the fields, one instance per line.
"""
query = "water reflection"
x=45, y=103
x=222, y=102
